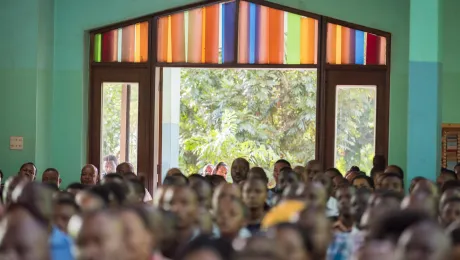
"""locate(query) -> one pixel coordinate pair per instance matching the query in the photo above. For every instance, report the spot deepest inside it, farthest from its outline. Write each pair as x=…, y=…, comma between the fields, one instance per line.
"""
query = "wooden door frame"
x=356, y=77
x=110, y=74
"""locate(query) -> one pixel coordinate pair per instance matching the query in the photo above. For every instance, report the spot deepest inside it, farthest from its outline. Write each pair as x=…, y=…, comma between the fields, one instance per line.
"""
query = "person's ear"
x=60, y=180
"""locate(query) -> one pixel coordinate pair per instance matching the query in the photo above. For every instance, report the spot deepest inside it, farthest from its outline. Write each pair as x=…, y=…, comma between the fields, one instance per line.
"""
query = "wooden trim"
x=236, y=65
x=450, y=125
x=120, y=65
x=285, y=8
x=356, y=26
x=356, y=67
x=119, y=25
x=321, y=95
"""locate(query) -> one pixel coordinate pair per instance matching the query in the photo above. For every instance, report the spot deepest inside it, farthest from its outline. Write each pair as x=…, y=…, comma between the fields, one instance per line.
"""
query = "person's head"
x=64, y=208
x=333, y=172
x=317, y=194
x=395, y=169
x=101, y=236
x=336, y=182
x=225, y=191
x=51, y=175
x=344, y=195
x=363, y=181
x=379, y=162
x=261, y=248
x=137, y=238
x=215, y=181
x=177, y=179
x=454, y=234
x=287, y=177
x=257, y=172
x=92, y=199
x=110, y=163
x=112, y=177
x=326, y=182
x=421, y=201
x=28, y=171
x=318, y=226
x=446, y=175
x=239, y=170
x=208, y=169
x=301, y=172
x=125, y=167
x=391, y=225
x=137, y=190
x=375, y=174
x=24, y=235
x=426, y=186
x=414, y=182
x=173, y=171
x=10, y=185
x=296, y=242
x=184, y=204
x=416, y=244
x=392, y=181
x=1, y=176
x=457, y=170
x=450, y=211
x=379, y=204
x=37, y=198
x=203, y=192
x=195, y=178
x=221, y=169
x=254, y=193
x=89, y=175
x=205, y=248
x=313, y=168
x=448, y=194
x=280, y=164
x=75, y=188
x=231, y=216
x=350, y=175
x=359, y=202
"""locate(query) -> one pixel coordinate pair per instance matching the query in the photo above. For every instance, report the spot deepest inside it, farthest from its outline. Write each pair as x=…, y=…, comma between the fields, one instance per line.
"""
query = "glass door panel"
x=355, y=117
x=120, y=117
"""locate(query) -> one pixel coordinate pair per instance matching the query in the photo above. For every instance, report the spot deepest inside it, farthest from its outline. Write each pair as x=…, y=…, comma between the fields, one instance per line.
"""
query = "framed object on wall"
x=450, y=145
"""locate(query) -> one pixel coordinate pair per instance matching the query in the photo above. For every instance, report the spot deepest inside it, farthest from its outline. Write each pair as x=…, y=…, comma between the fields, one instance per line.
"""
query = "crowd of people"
x=310, y=214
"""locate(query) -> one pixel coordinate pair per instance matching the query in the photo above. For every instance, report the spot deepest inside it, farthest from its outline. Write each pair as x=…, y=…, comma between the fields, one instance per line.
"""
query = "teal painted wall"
x=72, y=19
x=26, y=76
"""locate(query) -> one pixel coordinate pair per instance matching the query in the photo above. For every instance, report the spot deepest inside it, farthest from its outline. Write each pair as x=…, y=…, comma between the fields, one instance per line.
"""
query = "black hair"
x=102, y=192
x=283, y=161
x=51, y=186
x=365, y=177
x=389, y=194
x=354, y=168
x=112, y=158
x=287, y=170
x=175, y=180
x=449, y=172
x=28, y=163
x=197, y=176
x=76, y=186
x=374, y=171
x=68, y=201
x=399, y=170
x=259, y=172
x=451, y=200
x=117, y=192
x=335, y=171
x=1, y=174
x=392, y=225
x=220, y=247
x=455, y=236
x=450, y=185
x=138, y=187
x=113, y=176
x=305, y=234
x=392, y=174
x=128, y=175
x=52, y=170
x=246, y=162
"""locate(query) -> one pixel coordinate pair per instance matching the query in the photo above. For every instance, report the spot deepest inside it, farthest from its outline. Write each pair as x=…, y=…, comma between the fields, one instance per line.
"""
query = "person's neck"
x=346, y=220
x=184, y=235
x=230, y=237
x=256, y=215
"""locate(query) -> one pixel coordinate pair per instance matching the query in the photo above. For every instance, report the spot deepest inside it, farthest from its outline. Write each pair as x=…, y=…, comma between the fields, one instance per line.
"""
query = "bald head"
x=89, y=175
x=125, y=167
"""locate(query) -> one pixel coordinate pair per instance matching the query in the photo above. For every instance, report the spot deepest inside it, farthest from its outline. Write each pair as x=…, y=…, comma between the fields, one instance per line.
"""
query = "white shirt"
x=147, y=196
x=331, y=207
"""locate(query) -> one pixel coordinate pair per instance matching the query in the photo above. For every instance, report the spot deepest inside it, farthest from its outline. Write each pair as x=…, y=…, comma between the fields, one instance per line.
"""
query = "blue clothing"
x=339, y=249
x=61, y=245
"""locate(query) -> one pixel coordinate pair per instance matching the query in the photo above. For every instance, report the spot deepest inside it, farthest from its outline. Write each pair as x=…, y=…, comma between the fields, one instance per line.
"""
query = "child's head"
x=280, y=164
x=446, y=175
x=296, y=242
x=231, y=216
x=393, y=182
x=375, y=175
x=421, y=201
x=450, y=211
x=203, y=192
x=225, y=191
x=344, y=194
x=257, y=172
x=313, y=168
x=363, y=181
x=414, y=182
x=287, y=177
x=255, y=193
x=203, y=247
x=359, y=202
x=239, y=170
x=64, y=209
x=395, y=169
x=184, y=204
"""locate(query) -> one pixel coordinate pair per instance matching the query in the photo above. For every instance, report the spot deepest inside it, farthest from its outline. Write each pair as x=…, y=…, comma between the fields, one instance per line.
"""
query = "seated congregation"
x=310, y=214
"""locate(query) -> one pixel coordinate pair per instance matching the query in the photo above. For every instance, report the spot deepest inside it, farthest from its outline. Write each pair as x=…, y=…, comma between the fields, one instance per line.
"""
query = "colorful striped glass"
x=206, y=35
x=271, y=36
x=350, y=46
x=127, y=44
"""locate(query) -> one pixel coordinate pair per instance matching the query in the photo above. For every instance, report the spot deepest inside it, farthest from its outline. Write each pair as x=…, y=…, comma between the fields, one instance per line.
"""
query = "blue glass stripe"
x=228, y=32
x=359, y=47
x=252, y=33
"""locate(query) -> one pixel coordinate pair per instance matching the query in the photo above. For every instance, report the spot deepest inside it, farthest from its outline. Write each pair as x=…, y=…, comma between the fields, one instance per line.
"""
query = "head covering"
x=286, y=211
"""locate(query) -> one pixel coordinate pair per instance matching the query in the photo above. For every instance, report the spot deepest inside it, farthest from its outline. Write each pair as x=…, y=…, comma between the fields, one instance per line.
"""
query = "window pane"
x=119, y=125
x=222, y=114
x=355, y=127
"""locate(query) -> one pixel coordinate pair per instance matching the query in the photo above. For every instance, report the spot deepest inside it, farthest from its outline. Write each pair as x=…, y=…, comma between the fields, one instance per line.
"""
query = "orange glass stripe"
x=331, y=43
x=307, y=40
x=137, y=49
x=212, y=34
x=338, y=45
x=178, y=37
x=276, y=46
x=243, y=26
x=169, y=53
x=316, y=41
x=348, y=46
x=162, y=39
x=195, y=35
x=383, y=51
x=144, y=41
x=203, y=39
x=263, y=36
x=128, y=43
